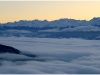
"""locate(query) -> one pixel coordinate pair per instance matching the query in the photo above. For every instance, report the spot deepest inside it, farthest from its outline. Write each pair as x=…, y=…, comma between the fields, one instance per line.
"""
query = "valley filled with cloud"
x=54, y=56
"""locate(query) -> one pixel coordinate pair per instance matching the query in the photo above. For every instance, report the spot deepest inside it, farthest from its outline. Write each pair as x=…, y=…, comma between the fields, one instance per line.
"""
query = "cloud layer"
x=55, y=56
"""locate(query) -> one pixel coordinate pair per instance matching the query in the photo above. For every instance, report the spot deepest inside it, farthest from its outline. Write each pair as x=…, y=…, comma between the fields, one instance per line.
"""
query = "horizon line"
x=48, y=20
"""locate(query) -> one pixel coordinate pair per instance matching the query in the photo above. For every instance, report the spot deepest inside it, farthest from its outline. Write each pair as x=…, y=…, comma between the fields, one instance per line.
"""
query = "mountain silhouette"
x=8, y=49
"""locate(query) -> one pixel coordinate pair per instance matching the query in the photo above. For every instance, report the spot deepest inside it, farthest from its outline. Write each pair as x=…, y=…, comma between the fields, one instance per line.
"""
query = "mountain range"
x=62, y=28
x=55, y=23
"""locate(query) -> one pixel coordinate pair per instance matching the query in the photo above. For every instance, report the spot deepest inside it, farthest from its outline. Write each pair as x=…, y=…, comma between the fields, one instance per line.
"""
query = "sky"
x=11, y=11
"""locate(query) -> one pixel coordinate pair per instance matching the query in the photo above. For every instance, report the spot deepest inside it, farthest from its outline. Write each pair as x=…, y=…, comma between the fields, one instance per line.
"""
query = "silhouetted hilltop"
x=8, y=49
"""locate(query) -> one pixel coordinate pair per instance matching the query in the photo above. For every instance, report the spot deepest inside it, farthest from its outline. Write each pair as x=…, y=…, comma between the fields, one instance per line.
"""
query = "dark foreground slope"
x=8, y=49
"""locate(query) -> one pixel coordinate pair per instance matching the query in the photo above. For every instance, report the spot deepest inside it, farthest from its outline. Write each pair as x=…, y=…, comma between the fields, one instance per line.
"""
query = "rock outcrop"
x=11, y=50
x=8, y=49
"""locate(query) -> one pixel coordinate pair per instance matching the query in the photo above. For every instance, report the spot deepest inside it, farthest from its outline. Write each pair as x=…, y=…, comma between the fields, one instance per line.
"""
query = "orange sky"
x=29, y=10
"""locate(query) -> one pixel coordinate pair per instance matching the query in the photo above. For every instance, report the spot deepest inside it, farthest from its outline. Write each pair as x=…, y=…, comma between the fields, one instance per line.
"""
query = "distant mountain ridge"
x=55, y=23
x=62, y=28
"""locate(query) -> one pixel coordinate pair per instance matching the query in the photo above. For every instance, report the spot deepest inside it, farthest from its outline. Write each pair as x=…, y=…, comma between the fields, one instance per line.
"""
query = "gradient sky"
x=29, y=10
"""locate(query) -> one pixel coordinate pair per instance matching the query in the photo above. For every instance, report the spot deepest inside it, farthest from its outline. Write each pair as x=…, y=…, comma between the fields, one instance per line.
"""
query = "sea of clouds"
x=54, y=56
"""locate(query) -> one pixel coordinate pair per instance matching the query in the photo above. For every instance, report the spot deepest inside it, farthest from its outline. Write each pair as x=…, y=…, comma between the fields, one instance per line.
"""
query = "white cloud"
x=55, y=56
